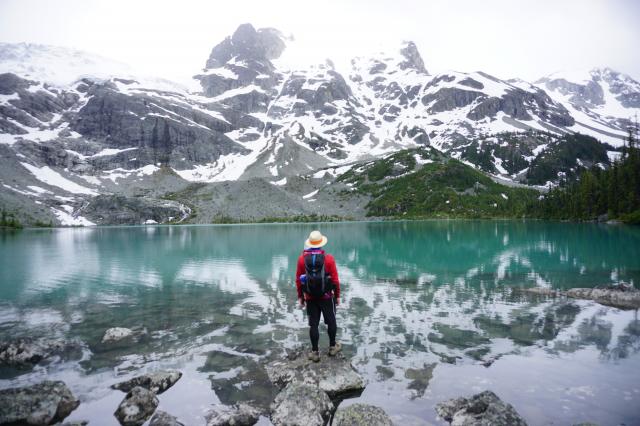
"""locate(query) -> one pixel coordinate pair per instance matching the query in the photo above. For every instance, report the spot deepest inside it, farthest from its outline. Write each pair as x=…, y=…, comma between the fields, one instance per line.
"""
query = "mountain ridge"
x=253, y=120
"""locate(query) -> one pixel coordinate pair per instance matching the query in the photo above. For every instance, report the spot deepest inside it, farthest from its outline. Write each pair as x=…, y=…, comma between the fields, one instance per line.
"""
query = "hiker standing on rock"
x=319, y=288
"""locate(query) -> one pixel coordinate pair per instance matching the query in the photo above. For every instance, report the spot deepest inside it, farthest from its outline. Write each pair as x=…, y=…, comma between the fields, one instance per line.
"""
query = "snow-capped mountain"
x=74, y=125
x=602, y=101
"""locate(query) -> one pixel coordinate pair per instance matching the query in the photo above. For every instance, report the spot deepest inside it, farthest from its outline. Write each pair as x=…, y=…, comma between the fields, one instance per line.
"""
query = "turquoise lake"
x=430, y=310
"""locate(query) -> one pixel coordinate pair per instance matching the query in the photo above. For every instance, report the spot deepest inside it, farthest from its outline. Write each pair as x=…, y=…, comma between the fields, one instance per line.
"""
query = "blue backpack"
x=317, y=283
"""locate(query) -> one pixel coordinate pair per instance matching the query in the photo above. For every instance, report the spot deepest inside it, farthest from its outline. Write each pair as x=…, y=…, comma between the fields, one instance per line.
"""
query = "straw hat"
x=315, y=240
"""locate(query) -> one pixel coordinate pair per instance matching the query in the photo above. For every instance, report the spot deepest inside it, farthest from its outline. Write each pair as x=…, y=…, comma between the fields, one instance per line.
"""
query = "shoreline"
x=346, y=221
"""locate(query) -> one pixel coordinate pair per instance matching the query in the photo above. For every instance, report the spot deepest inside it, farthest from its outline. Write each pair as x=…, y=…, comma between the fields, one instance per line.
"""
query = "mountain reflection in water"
x=429, y=312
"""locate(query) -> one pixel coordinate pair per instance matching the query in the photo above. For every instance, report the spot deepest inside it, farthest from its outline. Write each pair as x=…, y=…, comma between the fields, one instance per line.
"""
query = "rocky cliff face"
x=65, y=139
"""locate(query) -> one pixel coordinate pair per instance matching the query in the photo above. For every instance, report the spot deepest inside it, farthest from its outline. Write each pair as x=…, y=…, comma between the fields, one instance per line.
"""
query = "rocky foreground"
x=309, y=394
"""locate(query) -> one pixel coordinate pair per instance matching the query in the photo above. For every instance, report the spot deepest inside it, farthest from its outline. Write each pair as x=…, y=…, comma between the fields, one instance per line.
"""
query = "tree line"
x=612, y=193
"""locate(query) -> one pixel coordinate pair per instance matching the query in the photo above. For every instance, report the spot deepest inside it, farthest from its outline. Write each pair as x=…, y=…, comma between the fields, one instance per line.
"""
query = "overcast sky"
x=507, y=38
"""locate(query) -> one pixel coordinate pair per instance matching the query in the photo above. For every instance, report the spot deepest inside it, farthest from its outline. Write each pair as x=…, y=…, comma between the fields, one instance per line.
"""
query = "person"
x=318, y=288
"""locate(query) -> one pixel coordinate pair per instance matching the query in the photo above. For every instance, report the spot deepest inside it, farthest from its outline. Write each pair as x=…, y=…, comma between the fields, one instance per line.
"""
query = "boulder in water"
x=117, y=334
x=156, y=382
x=162, y=418
x=361, y=415
x=334, y=375
x=484, y=408
x=41, y=404
x=27, y=352
x=237, y=415
x=136, y=407
x=301, y=404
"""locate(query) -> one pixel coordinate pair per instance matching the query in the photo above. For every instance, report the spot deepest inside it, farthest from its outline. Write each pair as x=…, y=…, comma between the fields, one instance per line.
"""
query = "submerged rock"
x=420, y=378
x=162, y=418
x=27, y=352
x=334, y=375
x=361, y=415
x=301, y=404
x=157, y=382
x=41, y=404
x=542, y=291
x=484, y=408
x=117, y=334
x=136, y=407
x=237, y=415
x=616, y=296
x=621, y=296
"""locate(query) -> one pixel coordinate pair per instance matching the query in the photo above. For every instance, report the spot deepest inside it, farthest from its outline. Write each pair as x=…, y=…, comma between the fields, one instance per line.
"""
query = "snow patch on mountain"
x=61, y=66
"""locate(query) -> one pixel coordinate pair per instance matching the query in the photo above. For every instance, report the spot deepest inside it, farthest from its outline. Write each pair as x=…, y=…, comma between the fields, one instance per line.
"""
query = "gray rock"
x=361, y=415
x=629, y=299
x=162, y=131
x=237, y=415
x=162, y=418
x=41, y=404
x=157, y=382
x=123, y=210
x=482, y=409
x=449, y=98
x=334, y=375
x=116, y=334
x=301, y=404
x=75, y=423
x=136, y=407
x=28, y=352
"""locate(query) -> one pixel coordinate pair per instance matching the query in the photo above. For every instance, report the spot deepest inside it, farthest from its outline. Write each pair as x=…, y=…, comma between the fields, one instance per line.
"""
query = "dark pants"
x=328, y=309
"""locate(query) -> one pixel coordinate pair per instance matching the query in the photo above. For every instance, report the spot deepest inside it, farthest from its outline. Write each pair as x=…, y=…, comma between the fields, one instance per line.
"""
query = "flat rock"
x=157, y=382
x=237, y=415
x=482, y=409
x=301, y=404
x=162, y=418
x=334, y=375
x=136, y=407
x=361, y=415
x=41, y=404
x=615, y=296
x=28, y=352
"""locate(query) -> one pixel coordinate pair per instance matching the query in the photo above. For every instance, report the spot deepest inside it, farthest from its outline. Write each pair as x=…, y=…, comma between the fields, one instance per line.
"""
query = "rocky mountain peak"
x=247, y=43
x=412, y=57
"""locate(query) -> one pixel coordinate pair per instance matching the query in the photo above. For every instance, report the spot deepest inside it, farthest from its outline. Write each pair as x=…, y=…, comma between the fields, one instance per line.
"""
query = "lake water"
x=424, y=305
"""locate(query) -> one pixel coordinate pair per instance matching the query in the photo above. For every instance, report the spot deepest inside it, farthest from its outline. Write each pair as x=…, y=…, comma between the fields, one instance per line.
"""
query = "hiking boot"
x=314, y=356
x=333, y=350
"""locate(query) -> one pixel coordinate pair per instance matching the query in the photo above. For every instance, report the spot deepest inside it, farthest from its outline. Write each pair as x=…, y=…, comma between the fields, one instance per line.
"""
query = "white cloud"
x=506, y=38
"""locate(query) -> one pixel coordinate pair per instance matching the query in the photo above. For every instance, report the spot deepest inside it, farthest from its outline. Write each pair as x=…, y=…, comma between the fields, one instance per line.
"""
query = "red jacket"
x=329, y=268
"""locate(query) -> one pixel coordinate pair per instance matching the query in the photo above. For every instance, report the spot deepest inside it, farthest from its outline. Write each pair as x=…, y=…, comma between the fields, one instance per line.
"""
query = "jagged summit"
x=248, y=44
x=403, y=60
x=413, y=60
x=243, y=60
